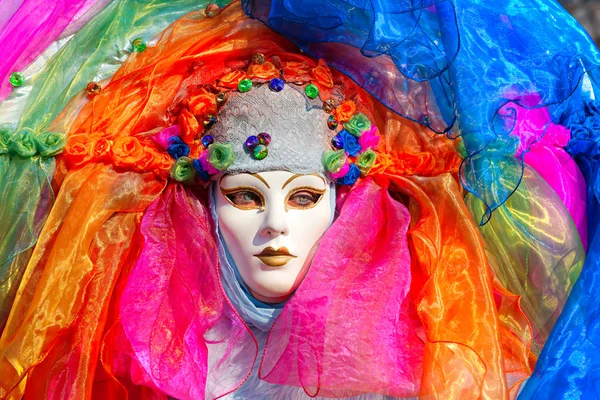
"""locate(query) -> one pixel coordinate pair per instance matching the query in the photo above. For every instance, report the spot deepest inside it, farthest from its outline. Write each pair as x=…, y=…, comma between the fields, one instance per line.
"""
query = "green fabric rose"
x=366, y=161
x=5, y=135
x=221, y=155
x=183, y=170
x=358, y=124
x=23, y=143
x=50, y=143
x=334, y=160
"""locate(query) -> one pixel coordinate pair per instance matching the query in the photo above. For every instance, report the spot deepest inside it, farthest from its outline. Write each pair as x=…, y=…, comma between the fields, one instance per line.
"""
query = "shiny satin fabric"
x=73, y=328
x=534, y=251
x=569, y=366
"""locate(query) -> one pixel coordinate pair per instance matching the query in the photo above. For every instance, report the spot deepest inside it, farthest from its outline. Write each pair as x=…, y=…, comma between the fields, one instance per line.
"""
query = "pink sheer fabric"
x=546, y=141
x=27, y=27
x=177, y=321
x=350, y=328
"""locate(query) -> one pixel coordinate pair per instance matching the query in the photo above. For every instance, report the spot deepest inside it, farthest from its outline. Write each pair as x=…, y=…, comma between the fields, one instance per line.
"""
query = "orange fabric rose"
x=202, y=104
x=148, y=161
x=189, y=126
x=126, y=151
x=101, y=150
x=265, y=71
x=345, y=111
x=231, y=80
x=296, y=71
x=78, y=151
x=164, y=163
x=321, y=75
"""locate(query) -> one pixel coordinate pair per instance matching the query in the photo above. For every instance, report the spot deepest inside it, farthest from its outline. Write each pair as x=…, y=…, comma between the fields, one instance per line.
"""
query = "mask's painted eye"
x=304, y=198
x=244, y=198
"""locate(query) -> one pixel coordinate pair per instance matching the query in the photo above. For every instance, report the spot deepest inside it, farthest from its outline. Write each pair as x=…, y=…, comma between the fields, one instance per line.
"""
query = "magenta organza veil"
x=175, y=314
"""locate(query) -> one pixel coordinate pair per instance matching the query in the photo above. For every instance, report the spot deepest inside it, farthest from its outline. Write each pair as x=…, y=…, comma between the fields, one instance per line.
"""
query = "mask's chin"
x=271, y=293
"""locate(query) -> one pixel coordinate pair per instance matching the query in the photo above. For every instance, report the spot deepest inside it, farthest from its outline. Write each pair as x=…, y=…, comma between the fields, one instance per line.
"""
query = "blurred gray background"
x=587, y=13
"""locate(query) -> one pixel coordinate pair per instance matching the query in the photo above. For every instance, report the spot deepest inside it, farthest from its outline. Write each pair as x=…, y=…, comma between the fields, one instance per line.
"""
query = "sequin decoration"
x=261, y=152
x=258, y=58
x=311, y=91
x=264, y=138
x=245, y=85
x=212, y=10
x=332, y=123
x=207, y=140
x=276, y=85
x=139, y=45
x=209, y=121
x=93, y=88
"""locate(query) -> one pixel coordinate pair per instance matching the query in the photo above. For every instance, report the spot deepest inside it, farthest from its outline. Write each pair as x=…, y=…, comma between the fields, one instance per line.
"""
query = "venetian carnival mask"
x=270, y=222
x=273, y=146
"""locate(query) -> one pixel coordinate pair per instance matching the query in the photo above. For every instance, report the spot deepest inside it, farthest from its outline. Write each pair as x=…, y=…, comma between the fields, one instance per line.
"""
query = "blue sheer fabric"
x=450, y=65
x=569, y=365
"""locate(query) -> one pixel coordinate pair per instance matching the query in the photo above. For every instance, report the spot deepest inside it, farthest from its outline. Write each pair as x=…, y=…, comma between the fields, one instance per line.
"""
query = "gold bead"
x=221, y=98
x=212, y=10
x=93, y=88
x=258, y=58
x=328, y=106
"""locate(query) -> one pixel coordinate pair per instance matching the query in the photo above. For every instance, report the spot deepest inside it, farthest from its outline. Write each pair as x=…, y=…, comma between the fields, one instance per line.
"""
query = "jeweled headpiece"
x=270, y=115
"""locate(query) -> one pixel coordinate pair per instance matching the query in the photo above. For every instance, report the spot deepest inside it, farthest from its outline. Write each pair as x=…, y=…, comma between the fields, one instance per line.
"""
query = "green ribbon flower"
x=221, y=155
x=5, y=135
x=333, y=161
x=365, y=161
x=358, y=124
x=183, y=170
x=23, y=143
x=50, y=143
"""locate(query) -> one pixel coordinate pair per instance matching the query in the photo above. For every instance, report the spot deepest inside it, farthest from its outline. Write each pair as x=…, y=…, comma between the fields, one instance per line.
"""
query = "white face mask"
x=270, y=222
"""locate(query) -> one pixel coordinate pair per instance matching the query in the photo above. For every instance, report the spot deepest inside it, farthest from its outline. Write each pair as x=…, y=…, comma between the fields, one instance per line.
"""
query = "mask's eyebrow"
x=257, y=176
x=299, y=175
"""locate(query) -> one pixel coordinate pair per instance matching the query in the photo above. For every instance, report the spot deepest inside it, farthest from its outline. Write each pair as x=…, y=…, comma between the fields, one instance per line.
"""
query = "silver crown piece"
x=297, y=126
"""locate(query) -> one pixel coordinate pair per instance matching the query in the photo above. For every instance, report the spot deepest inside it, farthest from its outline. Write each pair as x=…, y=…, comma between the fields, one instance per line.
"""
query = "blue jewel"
x=276, y=85
x=338, y=141
x=252, y=142
x=207, y=140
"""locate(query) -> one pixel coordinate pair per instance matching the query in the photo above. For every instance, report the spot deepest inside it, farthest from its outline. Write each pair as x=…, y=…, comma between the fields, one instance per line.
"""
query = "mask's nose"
x=275, y=220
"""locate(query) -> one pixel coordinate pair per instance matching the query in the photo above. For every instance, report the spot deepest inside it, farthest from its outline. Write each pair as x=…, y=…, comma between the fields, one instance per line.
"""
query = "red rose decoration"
x=126, y=151
x=78, y=151
x=231, y=80
x=203, y=104
x=296, y=71
x=189, y=126
x=101, y=150
x=148, y=162
x=264, y=72
x=345, y=111
x=321, y=75
x=164, y=163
